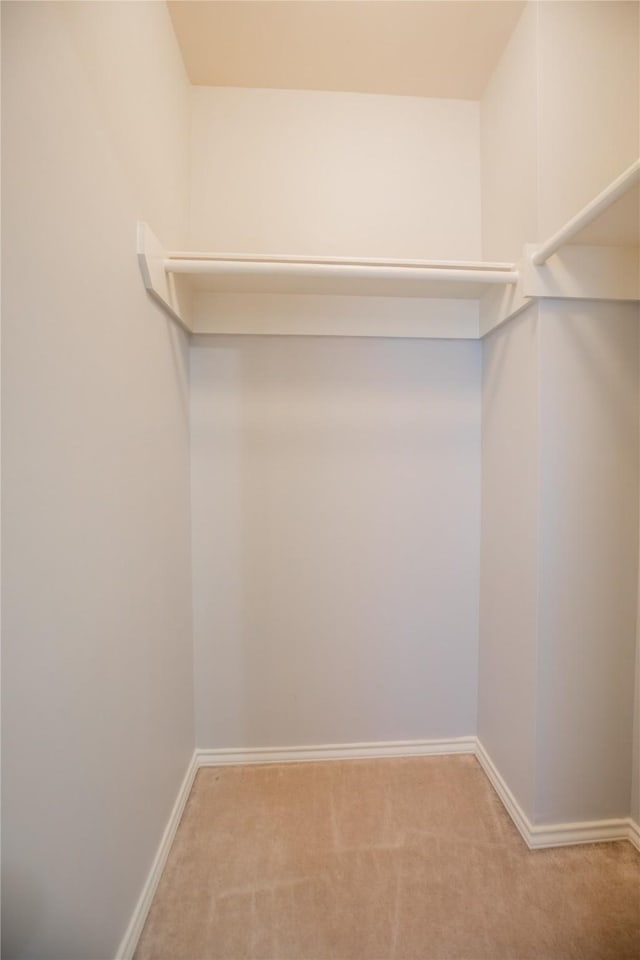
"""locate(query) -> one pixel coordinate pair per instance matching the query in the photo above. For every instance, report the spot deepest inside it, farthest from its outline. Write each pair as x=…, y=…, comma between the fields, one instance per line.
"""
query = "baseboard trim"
x=570, y=834
x=129, y=942
x=336, y=751
x=541, y=836
x=509, y=802
x=634, y=833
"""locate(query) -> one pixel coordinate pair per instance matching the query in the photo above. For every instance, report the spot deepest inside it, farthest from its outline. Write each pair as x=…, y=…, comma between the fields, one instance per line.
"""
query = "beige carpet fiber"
x=380, y=860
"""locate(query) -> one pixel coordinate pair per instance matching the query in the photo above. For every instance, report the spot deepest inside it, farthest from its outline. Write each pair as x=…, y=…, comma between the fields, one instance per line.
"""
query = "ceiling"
x=424, y=48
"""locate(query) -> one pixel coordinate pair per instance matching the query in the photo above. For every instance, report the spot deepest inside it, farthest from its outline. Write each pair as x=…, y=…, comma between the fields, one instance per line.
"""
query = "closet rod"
x=331, y=271
x=591, y=212
x=338, y=261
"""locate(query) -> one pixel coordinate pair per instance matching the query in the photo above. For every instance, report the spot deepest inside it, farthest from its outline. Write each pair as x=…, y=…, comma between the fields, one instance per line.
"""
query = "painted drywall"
x=149, y=131
x=588, y=559
x=336, y=174
x=589, y=102
x=635, y=746
x=560, y=118
x=335, y=500
x=559, y=557
x=635, y=776
x=509, y=552
x=635, y=756
x=508, y=136
x=97, y=689
x=309, y=315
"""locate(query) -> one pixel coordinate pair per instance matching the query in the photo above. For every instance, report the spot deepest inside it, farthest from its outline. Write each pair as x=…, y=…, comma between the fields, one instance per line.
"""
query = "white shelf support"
x=621, y=185
x=161, y=286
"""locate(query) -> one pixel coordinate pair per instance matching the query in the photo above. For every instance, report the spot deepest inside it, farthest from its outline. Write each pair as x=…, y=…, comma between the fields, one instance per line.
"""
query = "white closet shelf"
x=339, y=296
x=594, y=256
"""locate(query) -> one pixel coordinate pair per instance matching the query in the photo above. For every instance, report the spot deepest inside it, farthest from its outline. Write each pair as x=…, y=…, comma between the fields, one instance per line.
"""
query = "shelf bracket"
x=163, y=287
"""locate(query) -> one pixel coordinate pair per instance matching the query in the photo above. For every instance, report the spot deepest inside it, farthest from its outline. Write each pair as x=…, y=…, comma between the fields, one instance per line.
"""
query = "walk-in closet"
x=320, y=480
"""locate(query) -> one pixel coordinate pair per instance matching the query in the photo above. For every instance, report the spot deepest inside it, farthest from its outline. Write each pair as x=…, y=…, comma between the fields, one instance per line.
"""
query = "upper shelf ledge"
x=594, y=256
x=174, y=277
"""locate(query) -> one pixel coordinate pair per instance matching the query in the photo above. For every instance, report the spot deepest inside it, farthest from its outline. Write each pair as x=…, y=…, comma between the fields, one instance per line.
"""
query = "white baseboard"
x=570, y=834
x=510, y=803
x=337, y=751
x=129, y=942
x=539, y=836
x=634, y=833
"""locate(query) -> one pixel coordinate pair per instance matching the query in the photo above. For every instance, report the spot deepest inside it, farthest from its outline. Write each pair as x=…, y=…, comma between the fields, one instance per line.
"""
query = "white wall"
x=635, y=759
x=635, y=747
x=559, y=120
x=559, y=557
x=97, y=658
x=509, y=145
x=588, y=559
x=509, y=552
x=341, y=174
x=335, y=493
x=335, y=484
x=589, y=102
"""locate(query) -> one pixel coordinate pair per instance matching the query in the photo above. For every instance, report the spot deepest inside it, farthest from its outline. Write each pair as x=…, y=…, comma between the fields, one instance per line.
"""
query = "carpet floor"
x=401, y=859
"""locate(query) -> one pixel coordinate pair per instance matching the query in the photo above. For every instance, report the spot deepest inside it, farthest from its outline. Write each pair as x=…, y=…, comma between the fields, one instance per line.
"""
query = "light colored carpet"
x=380, y=860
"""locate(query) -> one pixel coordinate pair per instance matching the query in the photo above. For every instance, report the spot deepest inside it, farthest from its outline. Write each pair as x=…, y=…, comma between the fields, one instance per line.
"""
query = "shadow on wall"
x=22, y=905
